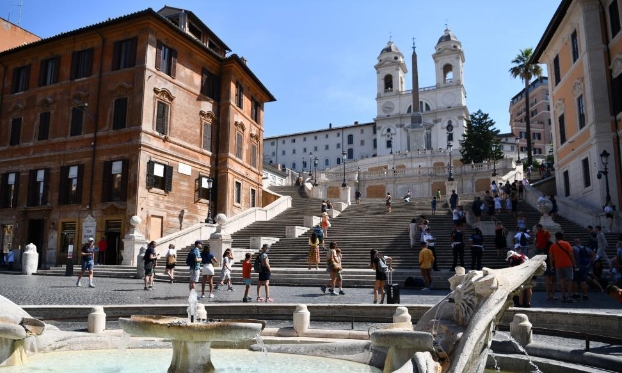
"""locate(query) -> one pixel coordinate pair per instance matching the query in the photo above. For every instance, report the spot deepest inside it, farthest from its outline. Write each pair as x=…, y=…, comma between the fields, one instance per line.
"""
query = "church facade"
x=420, y=119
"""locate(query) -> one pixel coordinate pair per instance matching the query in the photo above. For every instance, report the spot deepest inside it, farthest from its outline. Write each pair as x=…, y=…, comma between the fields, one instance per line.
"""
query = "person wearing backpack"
x=193, y=260
x=522, y=239
x=171, y=262
x=584, y=257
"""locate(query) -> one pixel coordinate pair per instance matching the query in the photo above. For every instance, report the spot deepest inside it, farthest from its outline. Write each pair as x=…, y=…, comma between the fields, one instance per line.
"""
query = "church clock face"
x=388, y=107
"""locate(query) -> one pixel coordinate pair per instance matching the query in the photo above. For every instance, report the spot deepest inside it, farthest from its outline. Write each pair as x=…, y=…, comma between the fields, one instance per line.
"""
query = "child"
x=434, y=205
x=246, y=276
x=225, y=272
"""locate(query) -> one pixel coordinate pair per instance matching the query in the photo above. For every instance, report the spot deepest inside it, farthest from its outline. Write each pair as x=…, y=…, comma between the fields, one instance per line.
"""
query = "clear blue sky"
x=317, y=57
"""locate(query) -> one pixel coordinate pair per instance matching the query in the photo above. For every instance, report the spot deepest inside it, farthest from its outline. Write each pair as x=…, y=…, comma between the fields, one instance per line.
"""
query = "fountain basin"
x=191, y=341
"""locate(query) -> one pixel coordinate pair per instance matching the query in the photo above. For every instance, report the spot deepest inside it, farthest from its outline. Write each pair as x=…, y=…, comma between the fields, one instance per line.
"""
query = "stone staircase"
x=357, y=230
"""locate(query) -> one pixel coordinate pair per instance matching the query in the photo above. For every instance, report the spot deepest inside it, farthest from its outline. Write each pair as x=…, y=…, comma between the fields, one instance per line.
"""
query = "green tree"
x=479, y=142
x=525, y=70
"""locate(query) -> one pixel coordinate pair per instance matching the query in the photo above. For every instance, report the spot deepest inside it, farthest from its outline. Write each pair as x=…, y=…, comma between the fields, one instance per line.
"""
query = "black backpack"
x=258, y=265
x=523, y=241
x=191, y=259
x=584, y=257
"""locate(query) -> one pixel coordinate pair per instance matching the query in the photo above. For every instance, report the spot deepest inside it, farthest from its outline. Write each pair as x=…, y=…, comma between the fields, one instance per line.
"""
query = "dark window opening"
x=77, y=119
x=239, y=95
x=566, y=184
x=48, y=74
x=575, y=46
x=585, y=165
x=44, y=126
x=16, y=131
x=119, y=120
x=556, y=70
x=21, y=77
x=81, y=64
x=237, y=193
x=114, y=181
x=614, y=18
x=388, y=82
x=562, y=129
x=70, y=186
x=159, y=176
x=166, y=59
x=238, y=145
x=9, y=189
x=124, y=54
x=581, y=112
x=210, y=85
x=38, y=181
x=162, y=118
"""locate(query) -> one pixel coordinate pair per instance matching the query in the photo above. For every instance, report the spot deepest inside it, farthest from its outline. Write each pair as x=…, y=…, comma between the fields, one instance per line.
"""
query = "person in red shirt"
x=101, y=252
x=562, y=259
x=247, y=266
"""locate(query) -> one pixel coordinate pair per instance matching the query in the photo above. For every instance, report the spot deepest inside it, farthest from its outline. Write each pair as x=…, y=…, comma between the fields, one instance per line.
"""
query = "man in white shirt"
x=522, y=239
x=431, y=243
x=602, y=245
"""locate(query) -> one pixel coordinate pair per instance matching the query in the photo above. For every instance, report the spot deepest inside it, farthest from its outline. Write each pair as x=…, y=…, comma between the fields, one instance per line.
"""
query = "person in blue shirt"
x=195, y=268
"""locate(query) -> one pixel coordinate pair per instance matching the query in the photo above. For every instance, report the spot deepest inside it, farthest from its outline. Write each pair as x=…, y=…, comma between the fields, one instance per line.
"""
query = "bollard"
x=520, y=329
x=302, y=318
x=97, y=320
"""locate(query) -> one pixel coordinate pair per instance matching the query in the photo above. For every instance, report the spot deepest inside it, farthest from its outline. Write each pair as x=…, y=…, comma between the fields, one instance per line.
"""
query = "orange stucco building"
x=582, y=49
x=132, y=116
x=12, y=36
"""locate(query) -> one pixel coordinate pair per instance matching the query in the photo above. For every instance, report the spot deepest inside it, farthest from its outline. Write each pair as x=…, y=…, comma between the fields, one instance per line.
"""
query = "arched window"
x=350, y=139
x=388, y=82
x=424, y=106
x=338, y=160
x=448, y=74
x=350, y=153
x=293, y=165
x=327, y=162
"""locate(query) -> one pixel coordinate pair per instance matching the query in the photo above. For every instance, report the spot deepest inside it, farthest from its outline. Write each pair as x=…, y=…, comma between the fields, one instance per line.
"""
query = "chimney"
x=330, y=126
x=356, y=122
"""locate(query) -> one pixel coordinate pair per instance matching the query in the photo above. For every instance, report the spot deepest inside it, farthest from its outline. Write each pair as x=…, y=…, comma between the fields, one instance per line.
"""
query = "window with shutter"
x=120, y=113
x=210, y=85
x=168, y=174
x=21, y=77
x=166, y=59
x=207, y=136
x=254, y=155
x=106, y=181
x=9, y=189
x=16, y=131
x=38, y=181
x=237, y=193
x=239, y=95
x=124, y=54
x=81, y=63
x=238, y=145
x=44, y=126
x=150, y=174
x=162, y=117
x=77, y=118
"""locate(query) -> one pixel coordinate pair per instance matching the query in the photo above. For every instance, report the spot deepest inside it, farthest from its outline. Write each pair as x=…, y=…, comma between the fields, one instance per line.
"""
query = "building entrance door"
x=35, y=236
x=113, y=240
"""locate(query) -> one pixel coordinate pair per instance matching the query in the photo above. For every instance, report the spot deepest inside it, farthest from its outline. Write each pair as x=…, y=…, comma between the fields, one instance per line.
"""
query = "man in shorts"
x=264, y=275
x=563, y=260
x=87, y=255
x=195, y=268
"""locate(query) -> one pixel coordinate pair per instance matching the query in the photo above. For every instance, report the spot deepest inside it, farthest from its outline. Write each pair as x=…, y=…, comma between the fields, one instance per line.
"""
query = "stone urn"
x=140, y=264
x=30, y=259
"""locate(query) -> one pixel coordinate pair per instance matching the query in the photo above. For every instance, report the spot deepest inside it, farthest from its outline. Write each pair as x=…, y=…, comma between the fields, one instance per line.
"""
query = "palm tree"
x=526, y=70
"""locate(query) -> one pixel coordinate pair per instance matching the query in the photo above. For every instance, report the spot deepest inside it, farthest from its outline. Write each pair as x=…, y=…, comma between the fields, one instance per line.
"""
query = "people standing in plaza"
x=388, y=202
x=149, y=262
x=457, y=247
x=490, y=201
x=603, y=245
x=453, y=200
x=476, y=208
x=412, y=233
x=563, y=260
x=433, y=205
x=608, y=210
x=208, y=261
x=247, y=267
x=426, y=260
x=543, y=241
x=194, y=262
x=264, y=276
x=501, y=242
x=357, y=196
x=584, y=257
x=101, y=251
x=508, y=203
x=325, y=223
x=225, y=271
x=87, y=262
x=521, y=238
x=476, y=240
x=171, y=262
x=430, y=241
x=313, y=257
x=381, y=265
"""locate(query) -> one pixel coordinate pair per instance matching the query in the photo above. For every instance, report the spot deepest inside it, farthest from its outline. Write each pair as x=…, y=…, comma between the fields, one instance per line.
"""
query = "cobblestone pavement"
x=61, y=290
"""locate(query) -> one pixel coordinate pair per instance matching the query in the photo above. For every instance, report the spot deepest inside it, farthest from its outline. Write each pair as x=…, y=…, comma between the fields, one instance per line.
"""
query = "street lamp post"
x=315, y=163
x=451, y=176
x=343, y=159
x=310, y=163
x=494, y=160
x=518, y=148
x=390, y=140
x=604, y=159
x=208, y=183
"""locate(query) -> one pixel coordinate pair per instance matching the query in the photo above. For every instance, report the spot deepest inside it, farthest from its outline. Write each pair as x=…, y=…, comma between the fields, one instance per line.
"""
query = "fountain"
x=192, y=340
x=455, y=335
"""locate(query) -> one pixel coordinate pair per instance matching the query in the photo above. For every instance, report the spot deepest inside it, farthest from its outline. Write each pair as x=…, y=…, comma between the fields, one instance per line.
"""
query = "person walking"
x=438, y=194
x=320, y=235
x=433, y=205
x=592, y=238
x=555, y=208
x=313, y=258
x=325, y=224
x=430, y=241
x=171, y=262
x=101, y=251
x=476, y=208
x=563, y=260
x=381, y=265
x=357, y=196
x=412, y=232
x=388, y=202
x=149, y=262
x=225, y=271
x=264, y=276
x=543, y=241
x=608, y=210
x=584, y=257
x=87, y=262
x=522, y=239
x=457, y=246
x=324, y=206
x=194, y=262
x=208, y=261
x=453, y=200
x=500, y=238
x=476, y=240
x=247, y=266
x=333, y=266
x=426, y=258
x=603, y=245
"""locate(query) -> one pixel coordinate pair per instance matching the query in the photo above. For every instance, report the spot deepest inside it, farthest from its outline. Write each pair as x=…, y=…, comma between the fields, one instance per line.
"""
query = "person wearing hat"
x=523, y=299
x=426, y=258
x=87, y=262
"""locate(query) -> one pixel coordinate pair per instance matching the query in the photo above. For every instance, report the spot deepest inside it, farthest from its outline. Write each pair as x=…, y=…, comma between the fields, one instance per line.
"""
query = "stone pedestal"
x=220, y=240
x=402, y=316
x=344, y=195
x=311, y=221
x=30, y=260
x=257, y=242
x=97, y=320
x=545, y=206
x=340, y=206
x=302, y=319
x=140, y=263
x=132, y=242
x=520, y=329
x=294, y=231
